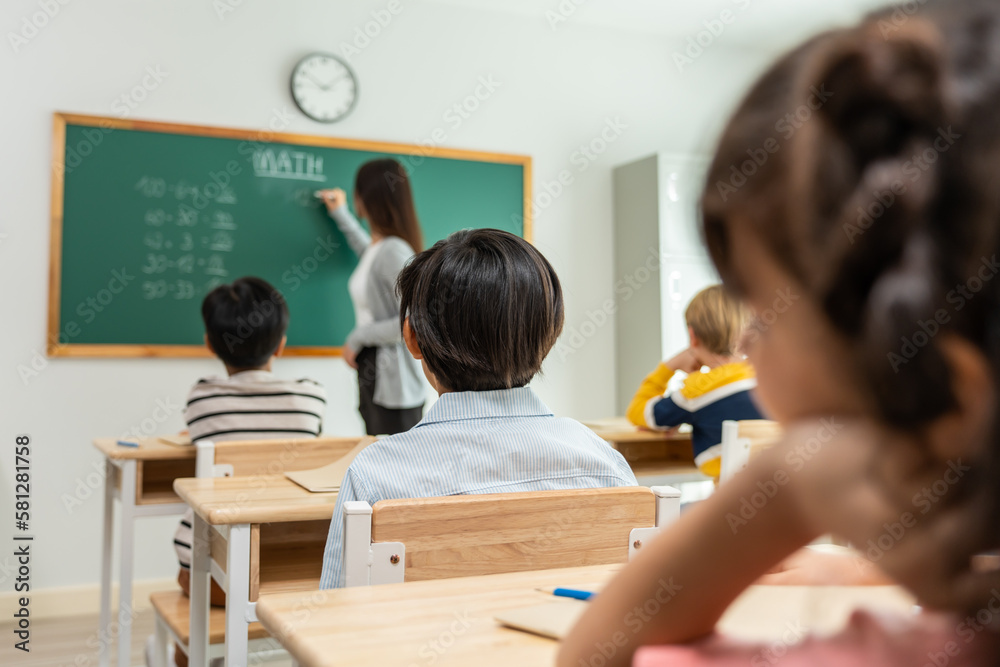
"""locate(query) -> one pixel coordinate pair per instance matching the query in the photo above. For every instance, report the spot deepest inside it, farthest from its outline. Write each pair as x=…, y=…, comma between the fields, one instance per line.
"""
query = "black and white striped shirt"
x=252, y=405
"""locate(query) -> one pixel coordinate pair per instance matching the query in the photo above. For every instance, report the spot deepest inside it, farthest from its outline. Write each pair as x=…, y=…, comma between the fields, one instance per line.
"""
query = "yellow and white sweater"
x=704, y=402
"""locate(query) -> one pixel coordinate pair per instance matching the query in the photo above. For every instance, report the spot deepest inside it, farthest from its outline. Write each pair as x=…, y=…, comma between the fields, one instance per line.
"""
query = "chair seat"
x=175, y=608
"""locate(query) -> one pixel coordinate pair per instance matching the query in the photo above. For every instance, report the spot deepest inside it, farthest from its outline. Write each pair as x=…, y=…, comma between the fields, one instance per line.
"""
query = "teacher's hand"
x=334, y=198
x=350, y=356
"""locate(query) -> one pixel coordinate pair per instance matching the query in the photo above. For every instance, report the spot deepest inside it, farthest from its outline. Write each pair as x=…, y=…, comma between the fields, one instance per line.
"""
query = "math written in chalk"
x=187, y=234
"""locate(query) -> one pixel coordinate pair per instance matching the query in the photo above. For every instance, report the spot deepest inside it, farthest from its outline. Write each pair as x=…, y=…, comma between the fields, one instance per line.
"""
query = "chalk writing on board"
x=151, y=187
x=296, y=165
x=155, y=217
x=200, y=196
x=215, y=266
x=186, y=216
x=220, y=242
x=162, y=289
x=222, y=220
x=303, y=197
x=185, y=238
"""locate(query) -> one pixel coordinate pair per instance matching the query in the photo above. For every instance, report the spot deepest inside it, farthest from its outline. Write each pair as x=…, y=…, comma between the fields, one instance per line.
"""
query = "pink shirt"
x=934, y=640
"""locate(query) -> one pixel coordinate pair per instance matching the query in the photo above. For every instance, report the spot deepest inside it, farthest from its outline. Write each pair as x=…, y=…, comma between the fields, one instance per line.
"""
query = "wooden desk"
x=666, y=456
x=254, y=535
x=447, y=621
x=141, y=478
x=450, y=621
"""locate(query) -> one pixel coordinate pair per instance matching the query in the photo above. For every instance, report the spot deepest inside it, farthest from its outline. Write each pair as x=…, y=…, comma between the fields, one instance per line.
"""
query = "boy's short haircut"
x=718, y=319
x=245, y=321
x=485, y=307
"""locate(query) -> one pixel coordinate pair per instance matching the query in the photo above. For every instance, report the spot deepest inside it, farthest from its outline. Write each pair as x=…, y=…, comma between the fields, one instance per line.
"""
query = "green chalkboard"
x=147, y=217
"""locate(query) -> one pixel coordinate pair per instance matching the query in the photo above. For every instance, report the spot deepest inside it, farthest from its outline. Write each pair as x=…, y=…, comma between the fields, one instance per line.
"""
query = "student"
x=245, y=325
x=716, y=323
x=884, y=371
x=390, y=388
x=480, y=310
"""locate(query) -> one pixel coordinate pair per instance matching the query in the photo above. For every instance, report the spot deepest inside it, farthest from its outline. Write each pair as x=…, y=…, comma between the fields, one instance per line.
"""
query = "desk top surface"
x=621, y=430
x=253, y=499
x=149, y=449
x=449, y=620
x=615, y=430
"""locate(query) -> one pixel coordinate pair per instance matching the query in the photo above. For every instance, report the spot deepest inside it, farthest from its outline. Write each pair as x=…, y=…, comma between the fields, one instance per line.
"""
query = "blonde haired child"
x=716, y=324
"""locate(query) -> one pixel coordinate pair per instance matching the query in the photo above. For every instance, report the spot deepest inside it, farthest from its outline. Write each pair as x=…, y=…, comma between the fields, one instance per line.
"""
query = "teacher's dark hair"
x=245, y=321
x=384, y=188
x=485, y=307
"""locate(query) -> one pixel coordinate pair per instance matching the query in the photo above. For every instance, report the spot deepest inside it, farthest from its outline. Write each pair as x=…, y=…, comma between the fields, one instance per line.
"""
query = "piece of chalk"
x=319, y=194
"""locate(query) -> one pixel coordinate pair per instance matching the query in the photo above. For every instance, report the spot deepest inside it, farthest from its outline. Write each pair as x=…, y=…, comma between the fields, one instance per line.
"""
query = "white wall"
x=558, y=89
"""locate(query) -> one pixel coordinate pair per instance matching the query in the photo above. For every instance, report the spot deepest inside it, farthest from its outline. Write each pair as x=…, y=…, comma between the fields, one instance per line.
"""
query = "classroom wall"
x=227, y=63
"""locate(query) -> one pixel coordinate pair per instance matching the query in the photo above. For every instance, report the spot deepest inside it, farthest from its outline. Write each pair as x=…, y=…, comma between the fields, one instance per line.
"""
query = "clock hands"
x=313, y=79
x=335, y=82
x=327, y=86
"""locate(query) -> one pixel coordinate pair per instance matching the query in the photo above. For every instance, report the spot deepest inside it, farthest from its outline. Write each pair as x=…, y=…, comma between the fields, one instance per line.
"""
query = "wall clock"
x=324, y=87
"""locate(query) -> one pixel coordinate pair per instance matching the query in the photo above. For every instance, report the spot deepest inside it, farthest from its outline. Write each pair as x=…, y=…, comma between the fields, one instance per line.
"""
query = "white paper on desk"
x=760, y=614
x=328, y=478
x=766, y=613
x=551, y=619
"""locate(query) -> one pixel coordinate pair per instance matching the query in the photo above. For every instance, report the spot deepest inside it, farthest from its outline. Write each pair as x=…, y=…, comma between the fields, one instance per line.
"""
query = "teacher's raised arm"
x=390, y=381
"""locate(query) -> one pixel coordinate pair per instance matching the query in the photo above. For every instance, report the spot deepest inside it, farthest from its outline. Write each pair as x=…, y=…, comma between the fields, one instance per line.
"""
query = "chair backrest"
x=467, y=535
x=743, y=440
x=264, y=457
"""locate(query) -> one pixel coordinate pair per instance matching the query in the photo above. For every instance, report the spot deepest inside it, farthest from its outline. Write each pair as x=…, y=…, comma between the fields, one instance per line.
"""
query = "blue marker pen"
x=126, y=443
x=573, y=593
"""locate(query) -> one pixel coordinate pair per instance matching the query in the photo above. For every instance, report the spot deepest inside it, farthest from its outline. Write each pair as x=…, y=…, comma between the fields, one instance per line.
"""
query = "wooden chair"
x=227, y=459
x=468, y=535
x=173, y=618
x=742, y=441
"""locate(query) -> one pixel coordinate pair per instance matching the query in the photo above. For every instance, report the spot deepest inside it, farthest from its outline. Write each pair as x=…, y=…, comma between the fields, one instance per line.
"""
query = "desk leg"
x=237, y=595
x=201, y=560
x=126, y=615
x=104, y=627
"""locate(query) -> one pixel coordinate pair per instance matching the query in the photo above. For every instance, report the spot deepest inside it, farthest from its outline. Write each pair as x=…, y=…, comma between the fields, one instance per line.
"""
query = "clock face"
x=324, y=87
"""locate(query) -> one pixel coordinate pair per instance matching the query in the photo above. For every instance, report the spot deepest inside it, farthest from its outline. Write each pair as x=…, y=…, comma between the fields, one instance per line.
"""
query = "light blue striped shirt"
x=502, y=441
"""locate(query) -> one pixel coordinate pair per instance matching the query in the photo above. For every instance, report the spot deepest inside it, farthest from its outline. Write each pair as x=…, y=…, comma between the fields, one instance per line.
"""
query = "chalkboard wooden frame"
x=61, y=120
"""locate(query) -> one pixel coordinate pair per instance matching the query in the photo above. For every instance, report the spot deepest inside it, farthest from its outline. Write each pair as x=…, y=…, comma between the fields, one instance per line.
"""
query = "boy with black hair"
x=480, y=310
x=245, y=325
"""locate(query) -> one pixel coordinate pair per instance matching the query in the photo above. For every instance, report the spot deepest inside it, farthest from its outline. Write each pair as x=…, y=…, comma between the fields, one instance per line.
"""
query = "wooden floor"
x=70, y=642
x=73, y=641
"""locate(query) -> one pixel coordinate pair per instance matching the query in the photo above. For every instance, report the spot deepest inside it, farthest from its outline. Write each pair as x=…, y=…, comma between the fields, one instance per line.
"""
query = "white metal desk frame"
x=205, y=466
x=129, y=511
x=235, y=581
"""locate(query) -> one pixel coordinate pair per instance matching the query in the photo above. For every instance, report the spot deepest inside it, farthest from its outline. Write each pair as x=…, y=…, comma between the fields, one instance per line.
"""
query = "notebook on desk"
x=326, y=479
x=761, y=613
x=553, y=619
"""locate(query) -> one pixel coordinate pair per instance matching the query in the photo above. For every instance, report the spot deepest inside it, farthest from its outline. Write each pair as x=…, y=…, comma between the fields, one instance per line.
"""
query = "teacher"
x=390, y=380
